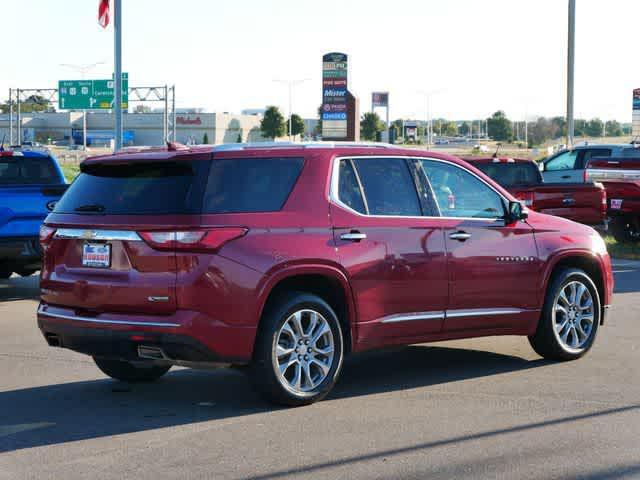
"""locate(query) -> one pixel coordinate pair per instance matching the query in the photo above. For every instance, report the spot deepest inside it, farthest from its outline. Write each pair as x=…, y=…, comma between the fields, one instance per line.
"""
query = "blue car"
x=31, y=182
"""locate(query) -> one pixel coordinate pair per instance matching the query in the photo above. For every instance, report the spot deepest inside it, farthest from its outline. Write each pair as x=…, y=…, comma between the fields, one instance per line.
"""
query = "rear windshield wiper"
x=91, y=207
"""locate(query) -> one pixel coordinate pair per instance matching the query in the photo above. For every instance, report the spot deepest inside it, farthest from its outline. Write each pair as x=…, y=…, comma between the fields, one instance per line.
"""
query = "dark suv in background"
x=288, y=257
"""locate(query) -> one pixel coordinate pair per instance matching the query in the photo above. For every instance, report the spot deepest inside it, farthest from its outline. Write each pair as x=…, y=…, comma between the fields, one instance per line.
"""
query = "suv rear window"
x=136, y=189
x=511, y=174
x=247, y=185
x=28, y=171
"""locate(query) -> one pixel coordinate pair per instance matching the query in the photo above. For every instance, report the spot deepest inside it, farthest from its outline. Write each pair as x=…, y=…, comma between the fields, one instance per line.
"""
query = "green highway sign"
x=90, y=94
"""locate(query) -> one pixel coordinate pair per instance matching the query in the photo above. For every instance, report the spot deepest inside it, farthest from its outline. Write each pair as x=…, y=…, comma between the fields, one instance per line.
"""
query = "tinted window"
x=388, y=186
x=511, y=174
x=137, y=188
x=564, y=161
x=590, y=153
x=349, y=189
x=28, y=171
x=250, y=184
x=460, y=193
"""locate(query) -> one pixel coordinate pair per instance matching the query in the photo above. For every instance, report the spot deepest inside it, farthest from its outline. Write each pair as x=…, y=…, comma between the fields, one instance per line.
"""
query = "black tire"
x=128, y=372
x=263, y=369
x=626, y=229
x=546, y=342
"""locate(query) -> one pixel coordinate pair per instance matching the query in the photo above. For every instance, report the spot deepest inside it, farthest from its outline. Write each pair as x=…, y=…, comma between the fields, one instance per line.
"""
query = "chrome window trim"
x=444, y=314
x=408, y=317
x=93, y=234
x=42, y=311
x=597, y=174
x=334, y=187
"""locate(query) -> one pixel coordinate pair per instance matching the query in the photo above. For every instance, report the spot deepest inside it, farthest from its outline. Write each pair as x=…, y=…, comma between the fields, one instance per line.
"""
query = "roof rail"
x=225, y=147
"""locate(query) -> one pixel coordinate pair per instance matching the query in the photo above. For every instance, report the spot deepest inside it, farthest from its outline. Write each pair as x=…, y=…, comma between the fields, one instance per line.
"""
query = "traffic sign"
x=90, y=94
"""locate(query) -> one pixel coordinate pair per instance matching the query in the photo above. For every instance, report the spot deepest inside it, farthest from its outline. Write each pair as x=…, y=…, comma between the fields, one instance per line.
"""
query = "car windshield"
x=17, y=170
x=511, y=174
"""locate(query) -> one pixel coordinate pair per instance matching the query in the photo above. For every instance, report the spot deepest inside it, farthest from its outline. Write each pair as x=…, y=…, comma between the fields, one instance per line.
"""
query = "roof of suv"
x=175, y=151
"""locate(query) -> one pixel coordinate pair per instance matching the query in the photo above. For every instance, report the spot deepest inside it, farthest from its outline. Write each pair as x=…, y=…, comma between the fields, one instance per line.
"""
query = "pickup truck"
x=581, y=202
x=31, y=183
x=621, y=178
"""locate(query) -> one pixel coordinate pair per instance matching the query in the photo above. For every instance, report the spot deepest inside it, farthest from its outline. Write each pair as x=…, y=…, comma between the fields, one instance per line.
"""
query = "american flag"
x=103, y=13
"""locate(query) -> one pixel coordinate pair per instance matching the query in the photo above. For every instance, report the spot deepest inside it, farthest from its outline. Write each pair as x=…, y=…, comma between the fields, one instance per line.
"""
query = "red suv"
x=286, y=258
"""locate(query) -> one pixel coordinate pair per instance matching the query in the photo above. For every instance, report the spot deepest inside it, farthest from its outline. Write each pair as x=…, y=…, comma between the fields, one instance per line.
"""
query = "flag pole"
x=117, y=76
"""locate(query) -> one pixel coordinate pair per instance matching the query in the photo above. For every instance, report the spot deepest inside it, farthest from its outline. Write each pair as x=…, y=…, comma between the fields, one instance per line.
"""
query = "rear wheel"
x=129, y=372
x=570, y=317
x=626, y=229
x=299, y=351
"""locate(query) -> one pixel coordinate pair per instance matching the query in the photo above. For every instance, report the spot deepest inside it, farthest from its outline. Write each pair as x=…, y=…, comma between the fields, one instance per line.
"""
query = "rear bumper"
x=20, y=251
x=184, y=336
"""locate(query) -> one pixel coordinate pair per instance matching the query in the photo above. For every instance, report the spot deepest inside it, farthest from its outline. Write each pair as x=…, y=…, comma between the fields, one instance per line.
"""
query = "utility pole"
x=117, y=76
x=290, y=84
x=11, y=117
x=571, y=44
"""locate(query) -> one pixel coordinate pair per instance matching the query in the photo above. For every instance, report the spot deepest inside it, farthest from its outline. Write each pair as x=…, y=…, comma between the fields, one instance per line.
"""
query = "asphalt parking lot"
x=487, y=408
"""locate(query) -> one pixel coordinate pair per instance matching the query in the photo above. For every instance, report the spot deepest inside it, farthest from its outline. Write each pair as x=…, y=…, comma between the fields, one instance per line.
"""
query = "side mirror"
x=516, y=212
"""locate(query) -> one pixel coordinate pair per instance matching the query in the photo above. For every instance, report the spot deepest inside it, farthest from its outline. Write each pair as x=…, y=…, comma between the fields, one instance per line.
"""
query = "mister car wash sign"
x=334, y=95
x=635, y=130
x=90, y=94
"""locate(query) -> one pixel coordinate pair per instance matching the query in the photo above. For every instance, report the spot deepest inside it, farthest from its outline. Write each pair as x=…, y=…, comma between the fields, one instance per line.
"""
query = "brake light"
x=46, y=234
x=603, y=204
x=585, y=175
x=193, y=240
x=527, y=198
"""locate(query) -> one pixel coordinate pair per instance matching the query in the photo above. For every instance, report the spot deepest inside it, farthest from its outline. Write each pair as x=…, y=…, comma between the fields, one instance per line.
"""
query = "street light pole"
x=290, y=84
x=117, y=76
x=571, y=44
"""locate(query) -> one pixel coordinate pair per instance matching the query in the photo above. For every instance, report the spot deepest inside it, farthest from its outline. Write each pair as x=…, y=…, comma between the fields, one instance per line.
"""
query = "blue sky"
x=478, y=56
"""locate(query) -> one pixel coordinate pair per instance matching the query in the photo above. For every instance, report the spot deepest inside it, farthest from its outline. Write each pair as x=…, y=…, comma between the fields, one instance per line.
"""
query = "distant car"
x=288, y=257
x=569, y=166
x=31, y=183
x=581, y=202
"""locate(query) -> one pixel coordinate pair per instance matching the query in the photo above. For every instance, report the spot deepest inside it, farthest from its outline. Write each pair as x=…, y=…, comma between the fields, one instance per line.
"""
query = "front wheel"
x=570, y=316
x=299, y=350
x=129, y=372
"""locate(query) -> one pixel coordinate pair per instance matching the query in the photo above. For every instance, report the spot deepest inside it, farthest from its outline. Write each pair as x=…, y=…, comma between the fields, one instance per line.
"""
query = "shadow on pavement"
x=68, y=412
x=20, y=288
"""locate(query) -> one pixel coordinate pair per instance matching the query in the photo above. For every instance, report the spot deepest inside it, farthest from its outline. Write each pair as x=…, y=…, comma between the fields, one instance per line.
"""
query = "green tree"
x=272, y=124
x=539, y=131
x=319, y=124
x=613, y=128
x=594, y=127
x=559, y=127
x=297, y=125
x=464, y=128
x=33, y=103
x=371, y=126
x=205, y=139
x=499, y=127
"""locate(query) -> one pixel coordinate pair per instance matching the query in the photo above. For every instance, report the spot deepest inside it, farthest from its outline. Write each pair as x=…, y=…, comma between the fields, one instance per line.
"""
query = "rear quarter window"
x=245, y=185
x=511, y=174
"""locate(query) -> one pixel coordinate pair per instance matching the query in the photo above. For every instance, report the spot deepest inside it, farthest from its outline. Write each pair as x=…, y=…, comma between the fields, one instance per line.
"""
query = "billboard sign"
x=90, y=94
x=335, y=74
x=635, y=128
x=380, y=99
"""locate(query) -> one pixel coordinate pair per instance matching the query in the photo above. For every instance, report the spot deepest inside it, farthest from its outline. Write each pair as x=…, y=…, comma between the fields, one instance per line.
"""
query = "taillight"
x=527, y=198
x=585, y=175
x=192, y=240
x=603, y=204
x=46, y=234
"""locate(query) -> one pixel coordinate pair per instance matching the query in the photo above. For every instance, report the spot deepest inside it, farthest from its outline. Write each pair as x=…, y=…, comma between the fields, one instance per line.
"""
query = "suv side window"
x=564, y=161
x=460, y=193
x=388, y=185
x=590, y=153
x=349, y=191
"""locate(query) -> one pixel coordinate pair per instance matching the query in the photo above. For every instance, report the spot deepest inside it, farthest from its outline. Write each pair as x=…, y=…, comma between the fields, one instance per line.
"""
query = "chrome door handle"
x=353, y=236
x=460, y=236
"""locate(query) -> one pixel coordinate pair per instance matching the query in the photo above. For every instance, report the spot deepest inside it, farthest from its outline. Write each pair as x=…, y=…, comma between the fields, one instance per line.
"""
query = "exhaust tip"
x=151, y=353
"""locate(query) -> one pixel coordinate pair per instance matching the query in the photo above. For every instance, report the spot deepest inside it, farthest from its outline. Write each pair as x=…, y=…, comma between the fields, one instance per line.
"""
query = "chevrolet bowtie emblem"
x=88, y=234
